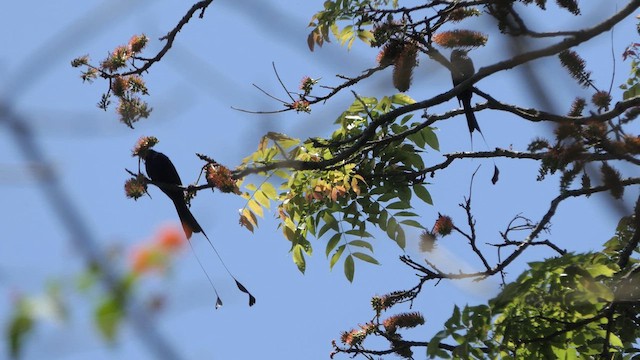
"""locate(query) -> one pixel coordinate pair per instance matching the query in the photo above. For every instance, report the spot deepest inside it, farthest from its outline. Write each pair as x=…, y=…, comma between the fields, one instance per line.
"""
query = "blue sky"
x=211, y=68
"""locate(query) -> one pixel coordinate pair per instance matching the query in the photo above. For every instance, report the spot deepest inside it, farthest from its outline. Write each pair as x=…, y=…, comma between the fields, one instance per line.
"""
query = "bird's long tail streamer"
x=218, y=300
x=252, y=299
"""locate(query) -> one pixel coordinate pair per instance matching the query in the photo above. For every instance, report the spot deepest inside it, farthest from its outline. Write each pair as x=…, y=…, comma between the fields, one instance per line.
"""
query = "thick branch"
x=361, y=140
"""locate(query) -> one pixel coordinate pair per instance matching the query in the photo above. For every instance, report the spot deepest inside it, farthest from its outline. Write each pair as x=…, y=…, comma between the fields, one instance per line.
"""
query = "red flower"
x=170, y=238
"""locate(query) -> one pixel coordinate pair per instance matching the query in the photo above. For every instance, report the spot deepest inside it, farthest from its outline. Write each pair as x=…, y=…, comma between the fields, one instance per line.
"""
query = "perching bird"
x=462, y=62
x=160, y=169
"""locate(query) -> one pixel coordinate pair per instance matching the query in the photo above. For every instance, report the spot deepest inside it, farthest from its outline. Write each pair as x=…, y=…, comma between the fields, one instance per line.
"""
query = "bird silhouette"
x=464, y=66
x=161, y=170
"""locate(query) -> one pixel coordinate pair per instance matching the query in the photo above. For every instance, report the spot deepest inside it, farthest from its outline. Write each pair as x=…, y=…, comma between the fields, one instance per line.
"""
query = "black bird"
x=160, y=169
x=462, y=62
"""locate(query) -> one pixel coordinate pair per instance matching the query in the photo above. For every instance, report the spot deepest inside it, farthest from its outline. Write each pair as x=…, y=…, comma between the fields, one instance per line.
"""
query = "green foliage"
x=368, y=173
x=575, y=306
x=559, y=308
x=549, y=305
x=18, y=327
x=335, y=12
x=108, y=316
x=632, y=86
x=343, y=198
x=28, y=312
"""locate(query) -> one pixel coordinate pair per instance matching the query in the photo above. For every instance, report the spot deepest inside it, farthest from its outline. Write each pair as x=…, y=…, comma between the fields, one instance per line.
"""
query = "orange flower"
x=145, y=259
x=143, y=144
x=170, y=238
x=137, y=43
x=120, y=85
x=460, y=38
x=135, y=188
x=443, y=226
x=222, y=178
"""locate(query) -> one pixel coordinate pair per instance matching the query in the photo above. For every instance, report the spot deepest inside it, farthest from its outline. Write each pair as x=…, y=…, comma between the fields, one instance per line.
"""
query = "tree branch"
x=170, y=38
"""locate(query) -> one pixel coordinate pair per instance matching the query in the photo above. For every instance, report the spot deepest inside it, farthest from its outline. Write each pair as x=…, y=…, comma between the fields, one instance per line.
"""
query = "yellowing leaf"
x=269, y=190
x=402, y=99
x=366, y=36
x=354, y=186
x=290, y=224
x=262, y=199
x=251, y=217
x=255, y=207
x=246, y=223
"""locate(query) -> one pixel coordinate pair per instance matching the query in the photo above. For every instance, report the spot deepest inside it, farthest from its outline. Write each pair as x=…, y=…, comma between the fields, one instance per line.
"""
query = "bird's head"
x=459, y=53
x=143, y=147
x=148, y=154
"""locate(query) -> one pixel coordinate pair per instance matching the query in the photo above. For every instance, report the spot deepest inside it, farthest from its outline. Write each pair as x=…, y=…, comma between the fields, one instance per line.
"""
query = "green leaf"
x=330, y=222
x=289, y=233
x=412, y=223
x=405, y=213
x=392, y=224
x=332, y=243
x=359, y=232
x=434, y=344
x=405, y=119
x=364, y=257
x=87, y=279
x=108, y=316
x=17, y=330
x=387, y=196
x=454, y=320
x=614, y=341
x=400, y=238
x=417, y=139
x=458, y=338
x=336, y=256
x=310, y=225
x=379, y=190
x=430, y=138
x=361, y=243
x=422, y=193
x=382, y=220
x=399, y=205
x=349, y=268
x=384, y=104
x=404, y=194
x=633, y=91
x=600, y=270
x=298, y=258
